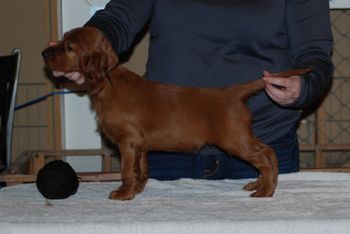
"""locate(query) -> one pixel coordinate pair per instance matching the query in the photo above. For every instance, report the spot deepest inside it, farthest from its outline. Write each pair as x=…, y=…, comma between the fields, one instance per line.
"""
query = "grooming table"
x=305, y=202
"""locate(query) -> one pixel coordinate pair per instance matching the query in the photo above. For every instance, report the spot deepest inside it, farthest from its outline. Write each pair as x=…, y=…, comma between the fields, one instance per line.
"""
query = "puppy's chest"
x=112, y=121
x=108, y=128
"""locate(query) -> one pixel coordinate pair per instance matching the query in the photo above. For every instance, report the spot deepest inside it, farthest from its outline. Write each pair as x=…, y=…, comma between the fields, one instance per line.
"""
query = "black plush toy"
x=57, y=180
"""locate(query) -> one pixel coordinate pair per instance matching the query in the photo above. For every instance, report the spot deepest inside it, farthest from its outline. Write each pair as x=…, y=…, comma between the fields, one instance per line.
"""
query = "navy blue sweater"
x=216, y=43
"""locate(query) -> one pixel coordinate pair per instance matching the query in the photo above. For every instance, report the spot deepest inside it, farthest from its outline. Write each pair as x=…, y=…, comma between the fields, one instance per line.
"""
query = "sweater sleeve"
x=121, y=20
x=311, y=42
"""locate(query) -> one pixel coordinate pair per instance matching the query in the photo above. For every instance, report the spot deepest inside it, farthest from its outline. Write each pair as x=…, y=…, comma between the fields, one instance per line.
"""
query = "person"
x=217, y=43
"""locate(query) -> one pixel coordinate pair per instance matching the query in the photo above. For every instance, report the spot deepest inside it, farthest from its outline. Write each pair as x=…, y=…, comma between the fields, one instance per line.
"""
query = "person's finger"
x=266, y=74
x=53, y=43
x=277, y=81
x=276, y=93
x=58, y=73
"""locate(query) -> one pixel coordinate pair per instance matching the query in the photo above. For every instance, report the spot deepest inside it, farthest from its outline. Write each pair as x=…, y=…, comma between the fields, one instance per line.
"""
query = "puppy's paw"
x=252, y=186
x=256, y=185
x=140, y=186
x=261, y=189
x=122, y=194
x=262, y=193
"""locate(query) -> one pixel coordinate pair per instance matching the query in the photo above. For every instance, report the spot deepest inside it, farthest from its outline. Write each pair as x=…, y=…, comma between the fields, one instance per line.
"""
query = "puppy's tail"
x=243, y=91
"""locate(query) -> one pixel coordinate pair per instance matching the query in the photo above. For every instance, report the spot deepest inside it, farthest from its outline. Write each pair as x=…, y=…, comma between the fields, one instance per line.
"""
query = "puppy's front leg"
x=141, y=167
x=127, y=190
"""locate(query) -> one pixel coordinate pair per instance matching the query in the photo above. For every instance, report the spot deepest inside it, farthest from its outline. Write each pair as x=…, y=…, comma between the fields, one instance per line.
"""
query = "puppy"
x=140, y=115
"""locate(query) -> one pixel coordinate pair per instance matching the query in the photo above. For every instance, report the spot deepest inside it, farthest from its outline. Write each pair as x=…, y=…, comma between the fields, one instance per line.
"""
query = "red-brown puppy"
x=140, y=116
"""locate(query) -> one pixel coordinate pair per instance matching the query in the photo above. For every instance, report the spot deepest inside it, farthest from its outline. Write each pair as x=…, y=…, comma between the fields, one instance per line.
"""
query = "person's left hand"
x=284, y=91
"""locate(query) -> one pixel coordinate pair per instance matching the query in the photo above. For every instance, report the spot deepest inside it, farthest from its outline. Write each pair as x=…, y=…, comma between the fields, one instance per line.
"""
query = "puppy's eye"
x=69, y=47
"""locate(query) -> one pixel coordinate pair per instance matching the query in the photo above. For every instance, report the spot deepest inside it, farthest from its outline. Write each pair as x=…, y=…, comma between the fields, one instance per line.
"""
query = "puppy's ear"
x=107, y=48
x=97, y=63
x=94, y=66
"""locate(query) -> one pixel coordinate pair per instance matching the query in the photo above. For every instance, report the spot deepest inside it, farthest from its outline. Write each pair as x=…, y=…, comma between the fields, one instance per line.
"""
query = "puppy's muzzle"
x=48, y=53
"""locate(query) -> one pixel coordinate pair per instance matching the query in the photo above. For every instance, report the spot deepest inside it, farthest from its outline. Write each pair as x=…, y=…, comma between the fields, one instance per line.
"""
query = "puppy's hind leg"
x=262, y=158
x=257, y=185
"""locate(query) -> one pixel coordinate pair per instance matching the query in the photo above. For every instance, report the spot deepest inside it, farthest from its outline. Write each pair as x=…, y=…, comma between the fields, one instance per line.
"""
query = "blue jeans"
x=171, y=166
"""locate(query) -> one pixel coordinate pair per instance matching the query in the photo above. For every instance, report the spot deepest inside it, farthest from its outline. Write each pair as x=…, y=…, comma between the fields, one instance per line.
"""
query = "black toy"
x=57, y=180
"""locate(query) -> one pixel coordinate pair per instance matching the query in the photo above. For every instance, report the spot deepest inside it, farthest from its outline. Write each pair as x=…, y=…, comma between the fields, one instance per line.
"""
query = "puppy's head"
x=83, y=50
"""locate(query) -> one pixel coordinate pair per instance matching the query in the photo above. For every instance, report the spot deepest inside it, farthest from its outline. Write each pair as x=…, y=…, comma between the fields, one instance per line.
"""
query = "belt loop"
x=211, y=165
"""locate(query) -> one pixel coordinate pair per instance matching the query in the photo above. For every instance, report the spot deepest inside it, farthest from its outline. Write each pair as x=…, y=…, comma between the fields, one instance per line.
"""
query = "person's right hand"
x=73, y=76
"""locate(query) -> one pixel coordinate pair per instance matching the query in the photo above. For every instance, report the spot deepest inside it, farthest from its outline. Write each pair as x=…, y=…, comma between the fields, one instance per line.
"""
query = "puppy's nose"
x=47, y=53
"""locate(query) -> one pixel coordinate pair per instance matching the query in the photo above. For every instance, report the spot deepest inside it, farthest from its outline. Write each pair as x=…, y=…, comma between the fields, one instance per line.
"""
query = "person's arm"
x=121, y=20
x=310, y=42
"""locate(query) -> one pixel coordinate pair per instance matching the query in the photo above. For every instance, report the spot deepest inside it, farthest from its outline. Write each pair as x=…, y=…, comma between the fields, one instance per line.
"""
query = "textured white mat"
x=303, y=203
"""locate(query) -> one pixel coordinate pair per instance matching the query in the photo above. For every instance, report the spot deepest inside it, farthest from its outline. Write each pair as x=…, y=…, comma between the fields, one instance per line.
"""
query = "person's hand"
x=73, y=76
x=284, y=91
